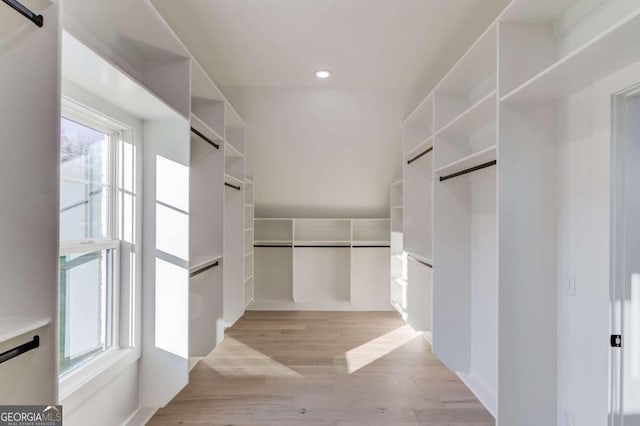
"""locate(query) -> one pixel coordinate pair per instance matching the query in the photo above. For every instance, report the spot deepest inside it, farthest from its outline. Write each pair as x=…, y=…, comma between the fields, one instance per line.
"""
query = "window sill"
x=78, y=386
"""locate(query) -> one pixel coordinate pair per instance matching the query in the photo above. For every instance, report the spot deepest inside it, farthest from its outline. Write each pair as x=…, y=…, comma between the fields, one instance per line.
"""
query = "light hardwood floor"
x=323, y=369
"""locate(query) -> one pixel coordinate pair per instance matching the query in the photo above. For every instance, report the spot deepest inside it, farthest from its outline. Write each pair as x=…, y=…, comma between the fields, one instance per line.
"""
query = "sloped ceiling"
x=385, y=56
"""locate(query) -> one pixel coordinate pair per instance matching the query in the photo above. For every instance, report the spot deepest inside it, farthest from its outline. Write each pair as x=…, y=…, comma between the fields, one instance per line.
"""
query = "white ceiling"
x=366, y=43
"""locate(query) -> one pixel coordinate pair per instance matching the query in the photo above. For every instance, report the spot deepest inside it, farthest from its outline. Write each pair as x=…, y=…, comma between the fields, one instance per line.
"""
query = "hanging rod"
x=472, y=169
x=322, y=246
x=237, y=188
x=206, y=268
x=420, y=155
x=24, y=11
x=19, y=350
x=204, y=138
x=420, y=261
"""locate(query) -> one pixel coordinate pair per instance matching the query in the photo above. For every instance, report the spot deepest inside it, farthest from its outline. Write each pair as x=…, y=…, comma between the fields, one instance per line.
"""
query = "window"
x=90, y=220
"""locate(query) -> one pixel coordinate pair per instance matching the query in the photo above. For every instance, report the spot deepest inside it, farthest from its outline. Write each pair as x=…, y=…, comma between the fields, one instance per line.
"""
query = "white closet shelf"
x=421, y=258
x=399, y=281
x=423, y=107
x=248, y=278
x=398, y=182
x=11, y=327
x=418, y=149
x=472, y=160
x=248, y=254
x=611, y=51
x=396, y=207
x=233, y=180
x=231, y=151
x=370, y=243
x=273, y=242
x=477, y=116
x=200, y=124
x=204, y=264
x=248, y=229
x=248, y=205
x=317, y=243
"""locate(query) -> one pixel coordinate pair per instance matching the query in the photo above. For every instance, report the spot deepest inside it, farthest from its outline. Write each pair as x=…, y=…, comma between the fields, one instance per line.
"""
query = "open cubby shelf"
x=320, y=263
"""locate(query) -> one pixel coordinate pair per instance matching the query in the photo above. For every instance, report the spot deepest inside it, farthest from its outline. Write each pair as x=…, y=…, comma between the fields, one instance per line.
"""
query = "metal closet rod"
x=237, y=188
x=206, y=268
x=420, y=261
x=420, y=155
x=19, y=350
x=26, y=12
x=469, y=170
x=204, y=138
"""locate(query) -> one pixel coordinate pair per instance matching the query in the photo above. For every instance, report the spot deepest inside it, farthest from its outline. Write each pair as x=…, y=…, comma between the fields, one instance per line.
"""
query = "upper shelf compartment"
x=207, y=101
x=471, y=79
x=418, y=126
x=132, y=36
x=234, y=128
x=549, y=50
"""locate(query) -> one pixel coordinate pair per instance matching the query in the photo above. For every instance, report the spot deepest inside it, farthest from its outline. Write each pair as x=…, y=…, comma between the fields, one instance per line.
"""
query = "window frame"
x=86, y=116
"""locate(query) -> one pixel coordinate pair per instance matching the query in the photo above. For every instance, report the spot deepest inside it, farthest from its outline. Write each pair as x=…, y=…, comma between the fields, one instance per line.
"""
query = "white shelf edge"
x=273, y=242
x=421, y=258
x=233, y=179
x=205, y=263
x=248, y=254
x=236, y=151
x=314, y=242
x=467, y=112
x=452, y=166
x=580, y=50
x=422, y=145
x=363, y=242
x=396, y=207
x=12, y=327
x=248, y=278
x=248, y=229
x=420, y=105
x=216, y=137
x=398, y=182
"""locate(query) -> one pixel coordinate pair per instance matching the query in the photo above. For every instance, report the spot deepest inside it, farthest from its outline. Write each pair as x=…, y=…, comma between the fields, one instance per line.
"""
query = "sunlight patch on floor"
x=377, y=348
x=235, y=359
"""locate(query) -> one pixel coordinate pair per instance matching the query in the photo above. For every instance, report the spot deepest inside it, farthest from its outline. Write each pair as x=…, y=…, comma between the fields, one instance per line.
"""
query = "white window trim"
x=78, y=384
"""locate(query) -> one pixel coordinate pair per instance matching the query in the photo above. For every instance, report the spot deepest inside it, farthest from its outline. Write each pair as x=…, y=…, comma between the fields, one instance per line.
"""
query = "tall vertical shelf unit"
x=30, y=84
x=207, y=215
x=249, y=208
x=326, y=264
x=398, y=268
x=234, y=216
x=490, y=187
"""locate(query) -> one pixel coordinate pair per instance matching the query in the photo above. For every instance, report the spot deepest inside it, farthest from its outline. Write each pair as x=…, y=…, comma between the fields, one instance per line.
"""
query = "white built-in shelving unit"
x=481, y=206
x=235, y=222
x=398, y=267
x=326, y=264
x=30, y=84
x=249, y=208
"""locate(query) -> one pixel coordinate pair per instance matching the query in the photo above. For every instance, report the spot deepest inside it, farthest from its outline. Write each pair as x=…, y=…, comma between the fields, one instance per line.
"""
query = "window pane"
x=86, y=296
x=83, y=211
x=84, y=190
x=84, y=153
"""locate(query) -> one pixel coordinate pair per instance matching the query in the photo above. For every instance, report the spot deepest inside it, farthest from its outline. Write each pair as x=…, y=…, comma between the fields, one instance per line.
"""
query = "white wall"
x=583, y=246
x=321, y=152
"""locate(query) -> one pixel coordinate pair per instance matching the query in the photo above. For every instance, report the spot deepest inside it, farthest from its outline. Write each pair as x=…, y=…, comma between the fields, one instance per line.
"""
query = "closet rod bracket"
x=26, y=12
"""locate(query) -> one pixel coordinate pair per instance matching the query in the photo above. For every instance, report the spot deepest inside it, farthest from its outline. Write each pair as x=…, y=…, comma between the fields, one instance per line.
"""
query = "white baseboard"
x=337, y=305
x=141, y=416
x=428, y=336
x=484, y=394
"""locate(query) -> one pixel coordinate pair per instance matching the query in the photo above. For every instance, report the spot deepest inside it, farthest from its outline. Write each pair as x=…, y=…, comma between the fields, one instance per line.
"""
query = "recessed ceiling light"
x=323, y=73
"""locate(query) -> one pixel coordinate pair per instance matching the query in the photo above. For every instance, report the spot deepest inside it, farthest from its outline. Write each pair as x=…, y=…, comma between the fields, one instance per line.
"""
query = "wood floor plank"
x=323, y=369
